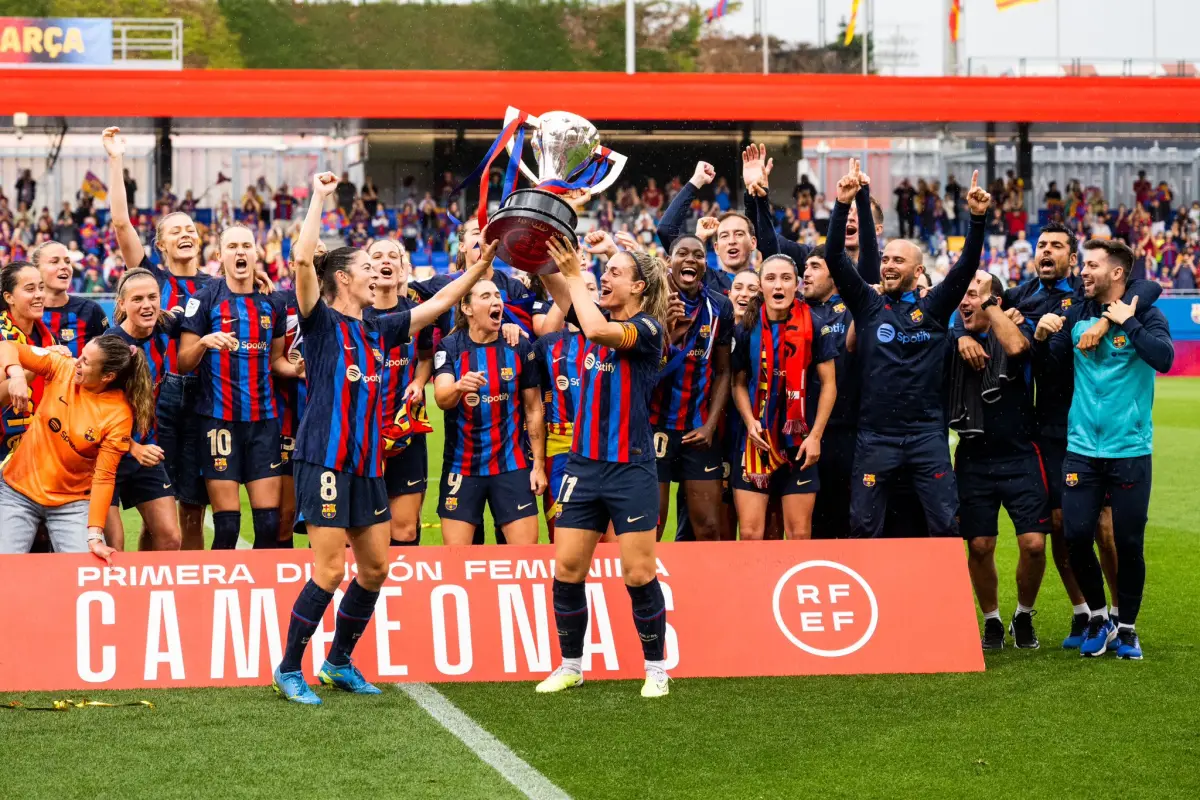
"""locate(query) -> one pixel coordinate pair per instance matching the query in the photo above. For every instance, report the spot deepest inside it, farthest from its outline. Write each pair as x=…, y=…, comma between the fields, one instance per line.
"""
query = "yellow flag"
x=853, y=19
x=1003, y=5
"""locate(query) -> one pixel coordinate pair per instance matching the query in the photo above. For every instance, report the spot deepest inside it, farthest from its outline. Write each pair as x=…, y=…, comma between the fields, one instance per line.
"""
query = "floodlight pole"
x=630, y=39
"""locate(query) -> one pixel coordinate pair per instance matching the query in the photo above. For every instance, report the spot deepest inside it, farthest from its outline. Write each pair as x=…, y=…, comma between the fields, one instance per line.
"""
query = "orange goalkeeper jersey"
x=71, y=450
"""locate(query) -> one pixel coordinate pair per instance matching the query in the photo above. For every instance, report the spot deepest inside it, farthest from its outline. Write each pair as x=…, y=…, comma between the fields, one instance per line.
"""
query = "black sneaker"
x=1021, y=629
x=993, y=634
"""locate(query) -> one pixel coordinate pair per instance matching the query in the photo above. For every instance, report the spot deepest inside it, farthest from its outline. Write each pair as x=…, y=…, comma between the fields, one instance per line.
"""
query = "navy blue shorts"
x=240, y=451
x=985, y=484
x=331, y=498
x=679, y=462
x=594, y=493
x=407, y=472
x=1052, y=452
x=881, y=459
x=137, y=484
x=178, y=434
x=1091, y=483
x=787, y=480
x=507, y=495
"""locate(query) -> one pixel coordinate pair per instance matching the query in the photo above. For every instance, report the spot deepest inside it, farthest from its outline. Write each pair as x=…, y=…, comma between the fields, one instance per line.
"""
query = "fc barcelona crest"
x=265, y=321
x=1066, y=302
x=1119, y=341
x=869, y=480
x=90, y=434
x=705, y=330
x=916, y=316
x=66, y=334
x=839, y=308
x=329, y=510
x=451, y=503
x=506, y=373
x=220, y=464
x=1072, y=479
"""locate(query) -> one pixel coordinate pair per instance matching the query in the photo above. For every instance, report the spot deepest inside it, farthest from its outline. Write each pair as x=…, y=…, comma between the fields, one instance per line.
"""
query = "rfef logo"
x=825, y=608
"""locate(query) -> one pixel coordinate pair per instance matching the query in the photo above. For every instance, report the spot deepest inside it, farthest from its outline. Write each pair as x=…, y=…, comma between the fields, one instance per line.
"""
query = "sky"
x=1088, y=29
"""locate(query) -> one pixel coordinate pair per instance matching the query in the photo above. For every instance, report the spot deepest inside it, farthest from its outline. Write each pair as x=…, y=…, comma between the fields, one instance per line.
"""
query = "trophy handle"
x=532, y=121
x=618, y=164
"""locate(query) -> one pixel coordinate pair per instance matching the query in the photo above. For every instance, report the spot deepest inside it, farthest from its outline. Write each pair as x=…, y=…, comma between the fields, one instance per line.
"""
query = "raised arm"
x=448, y=296
x=670, y=226
x=854, y=290
x=868, y=242
x=946, y=296
x=1007, y=332
x=308, y=286
x=118, y=204
x=16, y=360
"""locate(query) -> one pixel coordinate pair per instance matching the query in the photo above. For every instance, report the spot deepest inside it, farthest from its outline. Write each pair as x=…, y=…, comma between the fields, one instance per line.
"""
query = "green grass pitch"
x=1035, y=724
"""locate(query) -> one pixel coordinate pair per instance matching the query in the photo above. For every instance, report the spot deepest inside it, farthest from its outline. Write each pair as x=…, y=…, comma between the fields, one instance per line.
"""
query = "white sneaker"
x=657, y=683
x=562, y=678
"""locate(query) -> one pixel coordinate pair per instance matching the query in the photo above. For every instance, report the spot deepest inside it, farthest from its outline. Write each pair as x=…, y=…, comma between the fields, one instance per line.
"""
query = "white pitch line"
x=490, y=750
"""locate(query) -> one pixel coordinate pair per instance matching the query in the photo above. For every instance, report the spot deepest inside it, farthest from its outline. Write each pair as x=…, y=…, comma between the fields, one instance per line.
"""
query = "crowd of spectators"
x=1164, y=233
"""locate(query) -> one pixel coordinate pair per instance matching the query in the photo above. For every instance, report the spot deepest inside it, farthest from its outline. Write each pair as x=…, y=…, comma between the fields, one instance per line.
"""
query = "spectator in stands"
x=346, y=193
x=606, y=216
x=130, y=189
x=652, y=198
x=379, y=223
x=1184, y=274
x=997, y=232
x=370, y=196
x=358, y=213
x=1098, y=225
x=188, y=204
x=1142, y=190
x=358, y=236
x=805, y=186
x=26, y=189
x=906, y=208
x=166, y=199
x=1053, y=199
x=721, y=195
x=113, y=268
x=1015, y=217
x=1021, y=249
x=285, y=204
x=409, y=224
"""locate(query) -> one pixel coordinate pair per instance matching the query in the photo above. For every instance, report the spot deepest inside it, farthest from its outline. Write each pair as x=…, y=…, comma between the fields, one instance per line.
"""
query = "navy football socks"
x=306, y=616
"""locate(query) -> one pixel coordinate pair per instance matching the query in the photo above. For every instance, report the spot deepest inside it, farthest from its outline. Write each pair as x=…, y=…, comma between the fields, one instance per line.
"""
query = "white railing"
x=1000, y=66
x=147, y=43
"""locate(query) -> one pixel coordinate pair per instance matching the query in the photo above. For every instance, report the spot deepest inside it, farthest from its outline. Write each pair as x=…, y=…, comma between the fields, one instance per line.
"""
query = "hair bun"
x=320, y=262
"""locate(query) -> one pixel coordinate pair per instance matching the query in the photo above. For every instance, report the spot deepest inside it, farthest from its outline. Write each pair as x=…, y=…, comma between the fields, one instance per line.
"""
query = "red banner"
x=485, y=614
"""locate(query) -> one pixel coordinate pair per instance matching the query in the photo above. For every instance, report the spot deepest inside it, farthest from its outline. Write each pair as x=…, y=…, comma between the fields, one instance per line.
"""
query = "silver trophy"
x=570, y=158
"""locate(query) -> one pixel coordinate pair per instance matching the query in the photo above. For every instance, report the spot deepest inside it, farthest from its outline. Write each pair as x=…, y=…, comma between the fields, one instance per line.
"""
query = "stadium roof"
x=613, y=97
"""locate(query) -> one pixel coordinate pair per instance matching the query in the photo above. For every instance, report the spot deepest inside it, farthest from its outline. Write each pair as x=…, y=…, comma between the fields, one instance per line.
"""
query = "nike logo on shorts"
x=277, y=466
x=803, y=483
x=522, y=508
x=414, y=483
x=166, y=486
x=634, y=519
x=711, y=469
x=379, y=511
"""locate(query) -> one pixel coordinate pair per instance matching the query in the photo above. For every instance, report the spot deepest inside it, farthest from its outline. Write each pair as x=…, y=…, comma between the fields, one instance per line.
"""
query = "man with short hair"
x=1110, y=432
x=902, y=342
x=1055, y=290
x=732, y=232
x=996, y=463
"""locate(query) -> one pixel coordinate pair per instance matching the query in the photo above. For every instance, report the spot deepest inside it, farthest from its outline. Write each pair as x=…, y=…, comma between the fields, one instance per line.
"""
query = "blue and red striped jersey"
x=485, y=431
x=76, y=323
x=13, y=425
x=343, y=361
x=154, y=347
x=175, y=291
x=290, y=393
x=613, y=419
x=399, y=362
x=560, y=356
x=681, y=398
x=235, y=385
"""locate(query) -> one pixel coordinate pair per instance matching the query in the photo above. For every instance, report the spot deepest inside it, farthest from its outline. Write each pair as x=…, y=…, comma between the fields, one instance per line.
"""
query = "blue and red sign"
x=56, y=41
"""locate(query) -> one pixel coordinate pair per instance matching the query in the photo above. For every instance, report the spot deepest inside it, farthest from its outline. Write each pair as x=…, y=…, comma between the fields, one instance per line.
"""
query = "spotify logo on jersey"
x=472, y=400
x=885, y=333
x=353, y=373
x=562, y=382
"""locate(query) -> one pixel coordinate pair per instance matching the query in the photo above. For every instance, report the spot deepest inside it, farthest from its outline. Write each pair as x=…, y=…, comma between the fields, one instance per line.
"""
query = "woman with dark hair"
x=491, y=393
x=22, y=302
x=63, y=475
x=142, y=481
x=177, y=241
x=340, y=489
x=777, y=356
